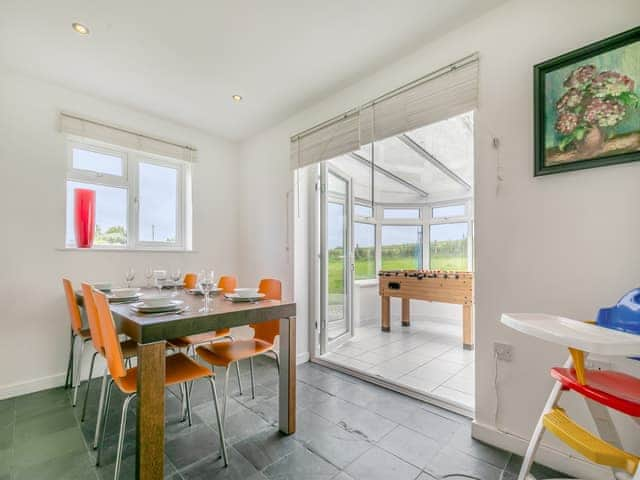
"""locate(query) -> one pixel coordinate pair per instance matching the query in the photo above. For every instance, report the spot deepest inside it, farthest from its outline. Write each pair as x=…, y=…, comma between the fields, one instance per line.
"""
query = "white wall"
x=35, y=323
x=565, y=244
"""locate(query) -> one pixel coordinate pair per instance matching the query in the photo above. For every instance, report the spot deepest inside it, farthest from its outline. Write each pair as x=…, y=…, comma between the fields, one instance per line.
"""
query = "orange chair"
x=129, y=350
x=224, y=354
x=77, y=333
x=190, y=280
x=228, y=284
x=180, y=369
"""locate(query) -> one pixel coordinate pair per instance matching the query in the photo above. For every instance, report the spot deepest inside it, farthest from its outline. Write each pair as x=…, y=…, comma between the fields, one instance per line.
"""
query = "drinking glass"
x=161, y=277
x=176, y=275
x=206, y=281
x=130, y=276
x=148, y=274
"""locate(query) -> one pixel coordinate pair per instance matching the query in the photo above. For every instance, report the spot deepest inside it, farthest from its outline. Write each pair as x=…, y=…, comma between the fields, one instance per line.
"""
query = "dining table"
x=151, y=332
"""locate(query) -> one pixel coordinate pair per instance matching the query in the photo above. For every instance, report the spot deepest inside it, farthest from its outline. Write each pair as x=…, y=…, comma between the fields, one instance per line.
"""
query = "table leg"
x=386, y=313
x=150, y=419
x=467, y=327
x=287, y=396
x=406, y=321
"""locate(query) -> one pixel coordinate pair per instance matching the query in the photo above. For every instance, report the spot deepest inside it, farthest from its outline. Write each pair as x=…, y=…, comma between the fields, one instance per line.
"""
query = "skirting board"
x=547, y=456
x=44, y=383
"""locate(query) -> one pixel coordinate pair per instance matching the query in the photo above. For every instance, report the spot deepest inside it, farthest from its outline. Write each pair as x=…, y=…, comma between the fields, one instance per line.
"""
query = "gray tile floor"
x=347, y=429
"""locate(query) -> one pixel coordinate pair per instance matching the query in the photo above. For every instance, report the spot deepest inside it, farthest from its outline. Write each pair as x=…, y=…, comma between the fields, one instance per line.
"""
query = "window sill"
x=127, y=250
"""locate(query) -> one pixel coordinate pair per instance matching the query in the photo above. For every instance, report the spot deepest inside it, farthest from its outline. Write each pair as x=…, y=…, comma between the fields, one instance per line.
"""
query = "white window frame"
x=426, y=220
x=129, y=180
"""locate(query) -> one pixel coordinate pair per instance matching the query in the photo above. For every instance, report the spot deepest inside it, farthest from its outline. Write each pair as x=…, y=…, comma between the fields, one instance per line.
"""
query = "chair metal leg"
x=226, y=394
x=188, y=397
x=223, y=446
x=253, y=381
x=103, y=393
x=123, y=425
x=86, y=392
x=78, y=372
x=183, y=402
x=104, y=424
x=277, y=360
x=238, y=375
x=68, y=382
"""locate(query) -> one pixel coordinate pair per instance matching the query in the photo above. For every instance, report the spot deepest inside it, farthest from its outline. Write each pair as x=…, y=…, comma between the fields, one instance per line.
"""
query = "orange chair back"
x=112, y=349
x=269, y=330
x=92, y=316
x=190, y=280
x=228, y=283
x=72, y=305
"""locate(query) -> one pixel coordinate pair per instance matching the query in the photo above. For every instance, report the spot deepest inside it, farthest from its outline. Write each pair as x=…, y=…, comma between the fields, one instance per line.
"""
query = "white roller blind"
x=84, y=128
x=339, y=137
x=442, y=94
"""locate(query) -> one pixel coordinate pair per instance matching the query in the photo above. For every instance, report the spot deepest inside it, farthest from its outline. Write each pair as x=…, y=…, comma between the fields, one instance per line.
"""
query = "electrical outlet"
x=503, y=351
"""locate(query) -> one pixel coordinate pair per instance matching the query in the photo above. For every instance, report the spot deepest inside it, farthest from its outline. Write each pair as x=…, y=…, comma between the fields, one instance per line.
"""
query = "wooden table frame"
x=151, y=333
x=456, y=288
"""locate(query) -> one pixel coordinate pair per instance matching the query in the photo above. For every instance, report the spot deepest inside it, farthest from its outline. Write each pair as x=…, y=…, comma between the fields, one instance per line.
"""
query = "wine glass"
x=161, y=277
x=148, y=274
x=176, y=275
x=206, y=282
x=130, y=276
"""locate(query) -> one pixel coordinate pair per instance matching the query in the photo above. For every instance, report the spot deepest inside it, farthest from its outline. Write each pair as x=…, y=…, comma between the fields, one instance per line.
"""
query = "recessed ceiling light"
x=80, y=28
x=237, y=98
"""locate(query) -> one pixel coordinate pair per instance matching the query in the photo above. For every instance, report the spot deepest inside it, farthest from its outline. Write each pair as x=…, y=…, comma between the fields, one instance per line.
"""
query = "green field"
x=395, y=257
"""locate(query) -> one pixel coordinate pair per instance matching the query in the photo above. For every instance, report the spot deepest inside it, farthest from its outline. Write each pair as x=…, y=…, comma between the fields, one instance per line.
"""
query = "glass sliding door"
x=337, y=264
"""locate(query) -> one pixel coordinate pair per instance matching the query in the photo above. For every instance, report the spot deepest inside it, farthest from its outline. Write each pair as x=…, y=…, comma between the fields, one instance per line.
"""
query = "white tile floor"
x=427, y=356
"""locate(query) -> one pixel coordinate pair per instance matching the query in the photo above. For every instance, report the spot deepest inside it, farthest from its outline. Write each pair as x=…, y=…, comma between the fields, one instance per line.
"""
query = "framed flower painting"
x=587, y=106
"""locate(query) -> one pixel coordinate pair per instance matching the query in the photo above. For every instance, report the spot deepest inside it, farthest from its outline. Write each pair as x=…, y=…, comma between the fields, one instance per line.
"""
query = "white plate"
x=246, y=292
x=133, y=298
x=146, y=308
x=197, y=291
x=124, y=292
x=234, y=297
x=102, y=286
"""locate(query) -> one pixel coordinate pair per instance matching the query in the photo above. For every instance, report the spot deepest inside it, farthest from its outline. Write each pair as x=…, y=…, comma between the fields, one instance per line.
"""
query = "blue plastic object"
x=624, y=316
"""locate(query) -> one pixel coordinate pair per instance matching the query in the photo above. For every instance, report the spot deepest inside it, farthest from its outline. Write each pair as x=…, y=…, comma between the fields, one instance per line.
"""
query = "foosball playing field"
x=430, y=286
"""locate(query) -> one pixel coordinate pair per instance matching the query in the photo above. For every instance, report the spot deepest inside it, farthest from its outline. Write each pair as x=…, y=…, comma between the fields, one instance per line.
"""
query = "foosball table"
x=431, y=286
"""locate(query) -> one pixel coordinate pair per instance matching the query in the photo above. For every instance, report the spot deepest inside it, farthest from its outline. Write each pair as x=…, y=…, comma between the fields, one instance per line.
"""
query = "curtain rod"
x=396, y=91
x=129, y=132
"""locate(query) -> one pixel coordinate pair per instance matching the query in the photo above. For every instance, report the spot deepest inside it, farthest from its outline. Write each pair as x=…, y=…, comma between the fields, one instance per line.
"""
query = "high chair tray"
x=573, y=333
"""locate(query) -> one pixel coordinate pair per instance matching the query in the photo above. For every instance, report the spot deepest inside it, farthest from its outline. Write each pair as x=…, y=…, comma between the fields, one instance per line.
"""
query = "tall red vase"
x=84, y=216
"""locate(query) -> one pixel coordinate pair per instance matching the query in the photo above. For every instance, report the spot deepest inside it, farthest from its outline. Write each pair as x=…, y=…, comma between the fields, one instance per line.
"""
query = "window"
x=362, y=211
x=401, y=213
x=139, y=199
x=401, y=247
x=448, y=246
x=364, y=238
x=448, y=211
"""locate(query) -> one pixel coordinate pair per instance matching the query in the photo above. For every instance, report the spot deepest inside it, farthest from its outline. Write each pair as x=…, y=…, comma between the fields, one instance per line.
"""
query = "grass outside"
x=365, y=267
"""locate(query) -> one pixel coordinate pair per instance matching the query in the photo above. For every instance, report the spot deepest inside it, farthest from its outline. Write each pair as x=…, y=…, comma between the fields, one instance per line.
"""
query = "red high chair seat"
x=612, y=389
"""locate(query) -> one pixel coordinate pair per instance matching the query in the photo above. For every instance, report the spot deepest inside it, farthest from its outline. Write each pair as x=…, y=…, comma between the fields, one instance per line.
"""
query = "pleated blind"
x=80, y=127
x=437, y=96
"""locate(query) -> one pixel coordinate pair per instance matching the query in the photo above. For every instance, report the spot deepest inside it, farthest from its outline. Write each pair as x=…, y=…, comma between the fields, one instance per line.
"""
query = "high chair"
x=77, y=333
x=616, y=333
x=228, y=284
x=224, y=354
x=179, y=370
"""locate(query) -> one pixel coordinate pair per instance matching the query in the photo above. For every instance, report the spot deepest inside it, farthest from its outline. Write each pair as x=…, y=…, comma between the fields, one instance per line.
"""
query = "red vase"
x=84, y=216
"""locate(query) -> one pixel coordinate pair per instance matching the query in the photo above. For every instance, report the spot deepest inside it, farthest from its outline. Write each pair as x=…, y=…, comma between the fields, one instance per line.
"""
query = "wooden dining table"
x=152, y=331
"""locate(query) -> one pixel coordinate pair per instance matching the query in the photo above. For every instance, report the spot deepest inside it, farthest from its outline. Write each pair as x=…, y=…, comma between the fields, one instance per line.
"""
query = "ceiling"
x=184, y=60
x=411, y=175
